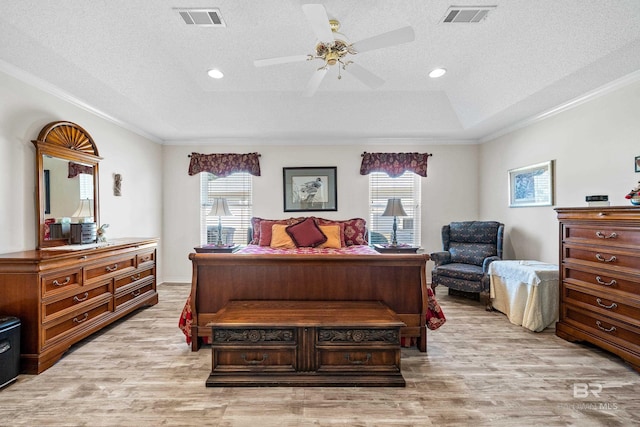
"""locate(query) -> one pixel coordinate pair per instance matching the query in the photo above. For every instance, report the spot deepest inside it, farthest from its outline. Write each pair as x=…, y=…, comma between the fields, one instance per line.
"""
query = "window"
x=86, y=186
x=237, y=189
x=405, y=187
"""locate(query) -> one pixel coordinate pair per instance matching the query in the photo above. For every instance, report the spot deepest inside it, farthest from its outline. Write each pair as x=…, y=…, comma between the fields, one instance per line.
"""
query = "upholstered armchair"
x=468, y=249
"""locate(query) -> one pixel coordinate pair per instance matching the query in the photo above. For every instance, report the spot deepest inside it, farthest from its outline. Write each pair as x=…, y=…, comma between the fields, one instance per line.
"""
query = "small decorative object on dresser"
x=634, y=195
x=600, y=278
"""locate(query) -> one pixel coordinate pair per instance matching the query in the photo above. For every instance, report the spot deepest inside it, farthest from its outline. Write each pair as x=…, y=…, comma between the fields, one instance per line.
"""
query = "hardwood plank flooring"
x=479, y=370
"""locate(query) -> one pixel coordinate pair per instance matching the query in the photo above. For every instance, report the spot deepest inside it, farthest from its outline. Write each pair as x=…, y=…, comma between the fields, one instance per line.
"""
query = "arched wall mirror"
x=67, y=182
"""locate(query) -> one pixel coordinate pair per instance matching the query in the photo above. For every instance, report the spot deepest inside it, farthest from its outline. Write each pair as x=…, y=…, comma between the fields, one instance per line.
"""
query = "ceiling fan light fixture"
x=214, y=73
x=437, y=72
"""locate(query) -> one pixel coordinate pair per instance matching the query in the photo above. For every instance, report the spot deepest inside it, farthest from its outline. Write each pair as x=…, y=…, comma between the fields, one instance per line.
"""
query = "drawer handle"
x=601, y=258
x=600, y=281
x=265, y=356
x=111, y=269
x=603, y=236
x=84, y=298
x=146, y=258
x=609, y=307
x=599, y=325
x=135, y=277
x=136, y=293
x=347, y=356
x=76, y=320
x=66, y=281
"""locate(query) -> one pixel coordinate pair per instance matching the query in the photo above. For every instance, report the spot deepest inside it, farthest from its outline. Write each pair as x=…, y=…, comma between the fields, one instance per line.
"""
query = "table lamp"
x=394, y=209
x=220, y=208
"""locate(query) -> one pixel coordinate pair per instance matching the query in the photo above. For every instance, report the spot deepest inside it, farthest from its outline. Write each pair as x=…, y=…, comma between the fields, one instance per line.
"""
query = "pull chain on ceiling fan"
x=334, y=51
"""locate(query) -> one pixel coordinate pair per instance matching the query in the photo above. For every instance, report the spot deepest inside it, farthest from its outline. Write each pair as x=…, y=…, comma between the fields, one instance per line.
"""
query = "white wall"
x=448, y=193
x=24, y=110
x=593, y=146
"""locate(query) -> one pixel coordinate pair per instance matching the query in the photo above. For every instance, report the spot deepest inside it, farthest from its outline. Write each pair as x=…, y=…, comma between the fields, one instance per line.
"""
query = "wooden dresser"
x=62, y=296
x=600, y=279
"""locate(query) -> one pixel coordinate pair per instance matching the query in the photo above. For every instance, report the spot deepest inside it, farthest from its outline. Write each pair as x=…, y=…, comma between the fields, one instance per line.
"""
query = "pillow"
x=264, y=238
x=306, y=234
x=355, y=230
x=333, y=233
x=279, y=237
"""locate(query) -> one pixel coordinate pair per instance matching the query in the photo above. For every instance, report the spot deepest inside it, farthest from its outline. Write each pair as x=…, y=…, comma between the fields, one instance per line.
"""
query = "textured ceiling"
x=137, y=62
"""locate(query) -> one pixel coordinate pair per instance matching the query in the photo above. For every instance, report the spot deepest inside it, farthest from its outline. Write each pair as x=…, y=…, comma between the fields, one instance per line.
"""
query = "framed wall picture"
x=310, y=189
x=531, y=185
x=637, y=163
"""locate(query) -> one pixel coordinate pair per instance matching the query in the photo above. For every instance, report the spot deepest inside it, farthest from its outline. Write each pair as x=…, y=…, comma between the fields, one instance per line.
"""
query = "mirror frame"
x=67, y=141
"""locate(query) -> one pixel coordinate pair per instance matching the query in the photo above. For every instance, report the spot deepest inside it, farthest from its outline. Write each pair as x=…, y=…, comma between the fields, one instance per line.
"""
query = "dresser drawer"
x=346, y=359
x=625, y=309
x=132, y=277
x=605, y=235
x=61, y=281
x=605, y=258
x=133, y=293
x=254, y=359
x=606, y=328
x=58, y=329
x=109, y=268
x=84, y=297
x=145, y=257
x=606, y=282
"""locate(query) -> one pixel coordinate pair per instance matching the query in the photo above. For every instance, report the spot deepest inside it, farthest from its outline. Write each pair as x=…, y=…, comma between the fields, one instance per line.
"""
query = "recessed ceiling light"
x=215, y=73
x=437, y=72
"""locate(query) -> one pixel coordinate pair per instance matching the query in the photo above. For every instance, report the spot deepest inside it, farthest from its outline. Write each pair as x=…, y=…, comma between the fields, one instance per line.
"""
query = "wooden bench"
x=306, y=343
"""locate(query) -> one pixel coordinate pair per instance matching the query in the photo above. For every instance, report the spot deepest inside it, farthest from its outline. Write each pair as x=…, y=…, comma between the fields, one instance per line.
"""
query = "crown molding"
x=47, y=87
x=588, y=96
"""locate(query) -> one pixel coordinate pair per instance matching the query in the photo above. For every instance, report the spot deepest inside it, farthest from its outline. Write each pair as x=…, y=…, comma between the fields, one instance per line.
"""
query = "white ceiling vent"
x=202, y=17
x=466, y=14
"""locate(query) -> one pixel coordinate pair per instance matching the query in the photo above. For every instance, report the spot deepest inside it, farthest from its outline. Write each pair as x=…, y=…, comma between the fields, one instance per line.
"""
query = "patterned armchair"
x=468, y=249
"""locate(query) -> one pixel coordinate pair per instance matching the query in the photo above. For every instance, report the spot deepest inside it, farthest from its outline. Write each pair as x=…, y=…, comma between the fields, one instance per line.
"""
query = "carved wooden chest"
x=306, y=343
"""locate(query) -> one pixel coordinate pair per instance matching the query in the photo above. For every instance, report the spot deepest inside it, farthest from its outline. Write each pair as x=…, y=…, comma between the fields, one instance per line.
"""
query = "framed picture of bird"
x=310, y=189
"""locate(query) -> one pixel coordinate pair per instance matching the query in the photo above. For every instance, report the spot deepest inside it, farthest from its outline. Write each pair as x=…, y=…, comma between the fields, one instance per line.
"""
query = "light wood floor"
x=479, y=370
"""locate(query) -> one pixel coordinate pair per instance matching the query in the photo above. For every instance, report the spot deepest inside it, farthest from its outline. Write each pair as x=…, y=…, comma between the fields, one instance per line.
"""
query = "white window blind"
x=405, y=187
x=237, y=189
x=86, y=186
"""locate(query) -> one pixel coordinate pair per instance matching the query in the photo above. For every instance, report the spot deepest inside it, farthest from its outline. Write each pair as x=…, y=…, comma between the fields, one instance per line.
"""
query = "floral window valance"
x=225, y=164
x=394, y=164
x=76, y=169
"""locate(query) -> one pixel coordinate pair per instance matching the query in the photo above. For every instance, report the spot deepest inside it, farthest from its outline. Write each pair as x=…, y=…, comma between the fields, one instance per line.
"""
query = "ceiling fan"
x=333, y=50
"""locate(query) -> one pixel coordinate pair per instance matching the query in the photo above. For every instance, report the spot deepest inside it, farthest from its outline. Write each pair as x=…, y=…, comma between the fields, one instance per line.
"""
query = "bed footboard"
x=397, y=280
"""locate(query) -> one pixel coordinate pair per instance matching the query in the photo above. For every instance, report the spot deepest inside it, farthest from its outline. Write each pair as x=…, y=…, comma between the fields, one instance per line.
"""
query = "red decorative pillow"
x=306, y=234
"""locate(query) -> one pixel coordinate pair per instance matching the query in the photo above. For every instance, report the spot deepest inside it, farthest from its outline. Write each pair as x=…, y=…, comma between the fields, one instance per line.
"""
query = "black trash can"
x=9, y=349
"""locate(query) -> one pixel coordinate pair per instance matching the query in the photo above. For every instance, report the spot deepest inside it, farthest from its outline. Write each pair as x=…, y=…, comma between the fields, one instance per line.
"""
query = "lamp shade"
x=84, y=211
x=394, y=208
x=220, y=207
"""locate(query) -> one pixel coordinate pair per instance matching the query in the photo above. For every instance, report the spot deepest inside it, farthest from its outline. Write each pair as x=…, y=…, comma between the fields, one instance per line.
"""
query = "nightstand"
x=399, y=249
x=214, y=249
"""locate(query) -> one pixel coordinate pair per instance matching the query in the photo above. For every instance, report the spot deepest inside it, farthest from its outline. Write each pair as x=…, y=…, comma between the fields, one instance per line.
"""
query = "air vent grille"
x=202, y=17
x=466, y=14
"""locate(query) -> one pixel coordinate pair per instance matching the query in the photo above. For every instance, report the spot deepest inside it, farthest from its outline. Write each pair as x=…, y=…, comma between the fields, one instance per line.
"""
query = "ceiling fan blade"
x=364, y=75
x=392, y=38
x=314, y=82
x=280, y=60
x=317, y=16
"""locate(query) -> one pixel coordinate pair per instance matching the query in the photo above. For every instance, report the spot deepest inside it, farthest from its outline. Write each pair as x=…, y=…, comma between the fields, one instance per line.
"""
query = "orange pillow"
x=333, y=236
x=279, y=237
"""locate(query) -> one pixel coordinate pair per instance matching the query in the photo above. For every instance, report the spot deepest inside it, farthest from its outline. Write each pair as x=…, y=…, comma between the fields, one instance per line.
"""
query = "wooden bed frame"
x=397, y=280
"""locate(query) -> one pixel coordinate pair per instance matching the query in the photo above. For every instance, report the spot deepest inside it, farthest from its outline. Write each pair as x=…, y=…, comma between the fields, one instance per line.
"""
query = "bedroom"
x=593, y=144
